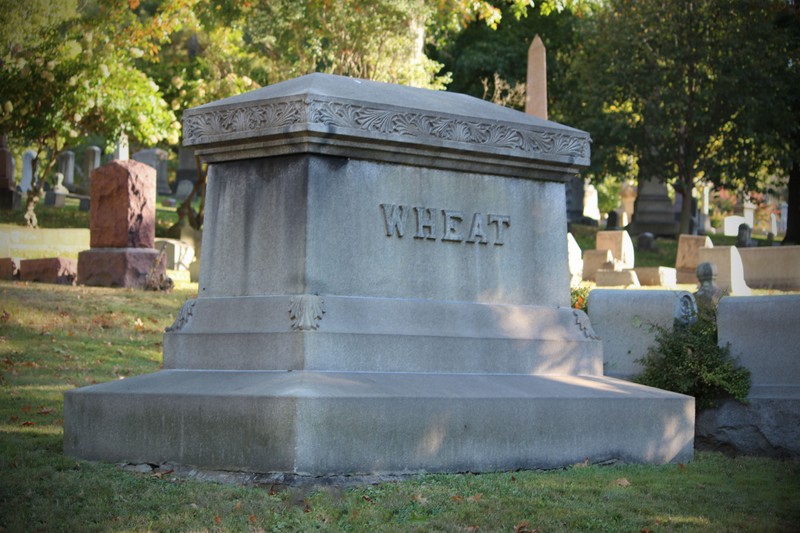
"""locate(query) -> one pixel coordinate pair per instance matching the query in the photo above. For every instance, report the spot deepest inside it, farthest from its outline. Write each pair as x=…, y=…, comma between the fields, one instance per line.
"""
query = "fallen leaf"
x=420, y=499
x=44, y=410
x=5, y=316
x=681, y=466
x=252, y=518
x=368, y=499
x=622, y=482
x=28, y=423
x=138, y=325
x=26, y=409
x=456, y=498
x=584, y=464
x=307, y=509
x=522, y=527
x=217, y=519
x=237, y=506
x=14, y=418
x=476, y=497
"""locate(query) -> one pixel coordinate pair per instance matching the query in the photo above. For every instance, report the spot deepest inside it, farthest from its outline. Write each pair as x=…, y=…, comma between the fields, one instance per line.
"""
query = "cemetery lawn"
x=70, y=216
x=54, y=338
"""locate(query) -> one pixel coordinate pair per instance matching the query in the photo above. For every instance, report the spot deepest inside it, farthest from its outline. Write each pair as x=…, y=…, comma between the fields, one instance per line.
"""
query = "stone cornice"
x=250, y=122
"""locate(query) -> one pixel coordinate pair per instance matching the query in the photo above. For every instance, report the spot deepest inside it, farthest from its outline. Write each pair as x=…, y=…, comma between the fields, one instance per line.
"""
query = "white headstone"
x=122, y=151
x=575, y=261
x=590, y=204
x=784, y=217
x=730, y=225
x=749, y=213
x=730, y=271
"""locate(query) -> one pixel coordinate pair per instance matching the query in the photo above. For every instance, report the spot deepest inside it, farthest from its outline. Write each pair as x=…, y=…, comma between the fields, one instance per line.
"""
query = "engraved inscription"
x=451, y=225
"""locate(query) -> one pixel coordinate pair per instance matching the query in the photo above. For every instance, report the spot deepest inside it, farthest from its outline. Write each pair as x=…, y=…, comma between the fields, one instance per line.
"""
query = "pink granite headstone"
x=122, y=222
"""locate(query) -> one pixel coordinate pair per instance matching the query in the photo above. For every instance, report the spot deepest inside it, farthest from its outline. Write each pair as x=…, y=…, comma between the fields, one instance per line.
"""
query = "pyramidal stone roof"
x=337, y=115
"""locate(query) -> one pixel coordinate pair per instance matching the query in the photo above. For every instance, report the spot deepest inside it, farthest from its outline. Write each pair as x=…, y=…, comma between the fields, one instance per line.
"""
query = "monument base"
x=118, y=267
x=326, y=423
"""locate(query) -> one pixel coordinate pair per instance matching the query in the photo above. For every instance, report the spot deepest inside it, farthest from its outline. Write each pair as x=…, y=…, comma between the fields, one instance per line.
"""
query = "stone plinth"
x=123, y=199
x=118, y=267
x=384, y=288
x=653, y=210
x=657, y=276
x=58, y=270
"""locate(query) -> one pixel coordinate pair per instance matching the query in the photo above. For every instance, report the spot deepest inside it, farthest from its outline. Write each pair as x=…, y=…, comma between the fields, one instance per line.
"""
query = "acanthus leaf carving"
x=184, y=316
x=305, y=312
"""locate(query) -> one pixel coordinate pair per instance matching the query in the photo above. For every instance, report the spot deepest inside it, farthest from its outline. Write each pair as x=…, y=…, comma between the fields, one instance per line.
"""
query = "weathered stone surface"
x=765, y=426
x=620, y=245
x=117, y=267
x=58, y=270
x=624, y=319
x=770, y=267
x=123, y=199
x=616, y=278
x=594, y=260
x=384, y=288
x=9, y=268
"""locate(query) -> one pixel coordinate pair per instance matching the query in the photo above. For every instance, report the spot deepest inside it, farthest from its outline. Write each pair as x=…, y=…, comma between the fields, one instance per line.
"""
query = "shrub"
x=578, y=296
x=688, y=360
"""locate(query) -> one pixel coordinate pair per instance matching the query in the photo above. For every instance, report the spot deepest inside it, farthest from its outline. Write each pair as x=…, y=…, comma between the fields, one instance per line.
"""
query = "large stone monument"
x=384, y=288
x=653, y=210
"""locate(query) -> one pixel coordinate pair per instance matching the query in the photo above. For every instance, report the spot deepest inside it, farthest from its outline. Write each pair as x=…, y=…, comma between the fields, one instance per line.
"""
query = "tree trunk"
x=33, y=195
x=793, y=220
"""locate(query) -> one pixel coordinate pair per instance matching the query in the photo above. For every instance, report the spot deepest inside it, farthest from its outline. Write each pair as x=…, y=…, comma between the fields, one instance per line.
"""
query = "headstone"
x=653, y=210
x=84, y=204
x=773, y=224
x=628, y=199
x=122, y=151
x=536, y=95
x=575, y=194
x=58, y=270
x=624, y=320
x=179, y=254
x=334, y=332
x=122, y=223
x=575, y=261
x=26, y=184
x=620, y=245
x=730, y=225
x=91, y=160
x=730, y=272
x=657, y=277
x=57, y=197
x=743, y=239
x=594, y=260
x=183, y=190
x=7, y=180
x=590, y=205
x=763, y=337
x=187, y=166
x=613, y=221
x=708, y=294
x=773, y=267
x=66, y=166
x=749, y=210
x=687, y=259
x=158, y=159
x=646, y=242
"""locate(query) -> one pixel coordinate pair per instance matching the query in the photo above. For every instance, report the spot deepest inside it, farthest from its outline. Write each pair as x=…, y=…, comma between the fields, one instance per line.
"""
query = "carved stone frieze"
x=305, y=312
x=199, y=127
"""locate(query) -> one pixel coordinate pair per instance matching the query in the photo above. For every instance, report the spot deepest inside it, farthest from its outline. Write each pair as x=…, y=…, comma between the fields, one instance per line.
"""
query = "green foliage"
x=579, y=296
x=688, y=360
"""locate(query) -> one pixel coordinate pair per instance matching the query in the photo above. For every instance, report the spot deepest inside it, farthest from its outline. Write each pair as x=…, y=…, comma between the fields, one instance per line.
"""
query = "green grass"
x=54, y=338
x=70, y=216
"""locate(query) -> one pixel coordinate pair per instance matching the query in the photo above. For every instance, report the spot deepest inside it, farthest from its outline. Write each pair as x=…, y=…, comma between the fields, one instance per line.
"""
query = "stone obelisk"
x=536, y=97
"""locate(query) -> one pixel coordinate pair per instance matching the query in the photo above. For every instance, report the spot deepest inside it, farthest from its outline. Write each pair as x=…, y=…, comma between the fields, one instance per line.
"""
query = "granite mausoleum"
x=384, y=288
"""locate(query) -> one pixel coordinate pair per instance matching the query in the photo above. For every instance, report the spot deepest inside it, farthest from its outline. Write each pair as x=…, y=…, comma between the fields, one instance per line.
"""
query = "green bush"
x=688, y=360
x=579, y=296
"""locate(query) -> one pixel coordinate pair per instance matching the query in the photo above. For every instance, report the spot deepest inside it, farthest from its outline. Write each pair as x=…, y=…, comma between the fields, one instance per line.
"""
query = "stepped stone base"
x=322, y=423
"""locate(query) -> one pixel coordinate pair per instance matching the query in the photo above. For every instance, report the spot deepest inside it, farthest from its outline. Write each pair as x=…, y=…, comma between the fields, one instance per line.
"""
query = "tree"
x=67, y=81
x=679, y=86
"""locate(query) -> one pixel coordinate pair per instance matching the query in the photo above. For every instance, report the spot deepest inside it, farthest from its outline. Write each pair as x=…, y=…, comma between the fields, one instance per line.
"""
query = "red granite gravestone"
x=122, y=224
x=50, y=270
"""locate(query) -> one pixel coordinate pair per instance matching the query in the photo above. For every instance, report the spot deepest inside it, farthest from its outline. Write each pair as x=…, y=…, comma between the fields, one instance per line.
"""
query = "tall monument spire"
x=536, y=97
